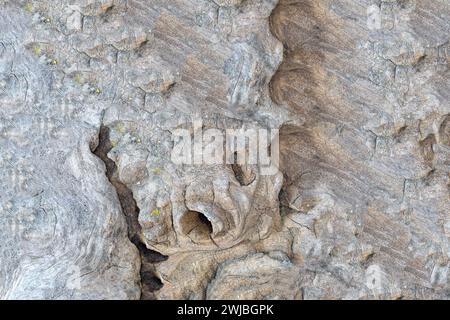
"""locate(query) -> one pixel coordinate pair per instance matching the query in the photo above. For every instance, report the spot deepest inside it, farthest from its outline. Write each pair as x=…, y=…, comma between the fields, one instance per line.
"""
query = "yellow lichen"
x=155, y=212
x=77, y=78
x=36, y=50
x=120, y=127
x=136, y=138
x=156, y=170
x=28, y=7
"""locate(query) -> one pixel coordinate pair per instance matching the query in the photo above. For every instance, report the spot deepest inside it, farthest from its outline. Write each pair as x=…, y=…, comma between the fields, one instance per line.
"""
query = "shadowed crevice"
x=149, y=281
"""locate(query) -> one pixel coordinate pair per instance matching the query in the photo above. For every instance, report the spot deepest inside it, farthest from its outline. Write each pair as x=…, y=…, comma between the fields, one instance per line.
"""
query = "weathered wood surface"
x=92, y=207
